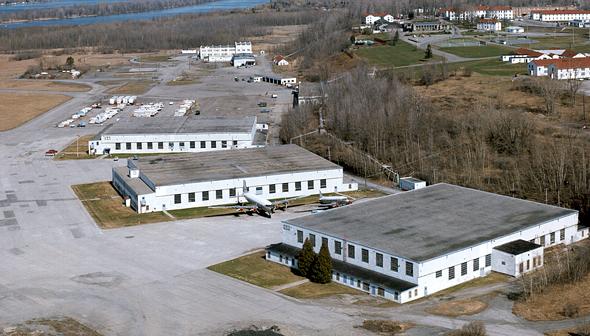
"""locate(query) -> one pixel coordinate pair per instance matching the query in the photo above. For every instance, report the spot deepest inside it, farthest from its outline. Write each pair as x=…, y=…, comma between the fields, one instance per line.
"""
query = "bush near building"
x=306, y=258
x=321, y=270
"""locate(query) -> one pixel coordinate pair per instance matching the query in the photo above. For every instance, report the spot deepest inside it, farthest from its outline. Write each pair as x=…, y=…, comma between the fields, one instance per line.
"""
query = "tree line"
x=184, y=31
x=504, y=151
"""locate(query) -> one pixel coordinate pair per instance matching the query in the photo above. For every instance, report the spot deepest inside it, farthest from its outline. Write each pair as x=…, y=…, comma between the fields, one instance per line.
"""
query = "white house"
x=515, y=29
x=539, y=68
x=224, y=53
x=561, y=15
x=240, y=60
x=569, y=68
x=175, y=135
x=370, y=19
x=280, y=60
x=524, y=55
x=156, y=183
x=409, y=245
x=492, y=25
x=478, y=12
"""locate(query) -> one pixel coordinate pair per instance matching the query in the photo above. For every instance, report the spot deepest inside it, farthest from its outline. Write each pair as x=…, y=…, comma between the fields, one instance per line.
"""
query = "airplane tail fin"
x=320, y=194
x=244, y=187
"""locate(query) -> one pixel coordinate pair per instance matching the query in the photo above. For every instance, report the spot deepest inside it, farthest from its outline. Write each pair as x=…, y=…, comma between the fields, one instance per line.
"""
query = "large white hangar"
x=157, y=183
x=406, y=246
x=176, y=135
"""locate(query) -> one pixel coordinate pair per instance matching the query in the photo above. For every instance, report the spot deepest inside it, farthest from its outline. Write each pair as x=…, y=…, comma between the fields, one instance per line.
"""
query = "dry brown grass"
x=18, y=108
x=279, y=35
x=386, y=327
x=64, y=326
x=133, y=88
x=43, y=85
x=458, y=307
x=550, y=305
x=106, y=206
x=76, y=150
x=310, y=290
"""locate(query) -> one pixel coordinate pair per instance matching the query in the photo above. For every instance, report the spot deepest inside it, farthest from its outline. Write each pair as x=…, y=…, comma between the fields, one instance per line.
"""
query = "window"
x=171, y=145
x=118, y=145
x=325, y=241
x=365, y=286
x=128, y=145
x=380, y=291
x=488, y=260
x=394, y=264
x=337, y=276
x=552, y=238
x=272, y=189
x=218, y=194
x=464, y=268
x=191, y=144
x=223, y=144
x=213, y=144
x=299, y=236
x=177, y=198
x=358, y=283
x=160, y=145
x=410, y=294
x=337, y=247
x=235, y=142
x=379, y=259
x=297, y=186
x=323, y=183
x=150, y=145
x=181, y=144
x=365, y=255
x=285, y=187
x=203, y=144
x=475, y=264
x=521, y=267
x=232, y=192
x=438, y=274
x=351, y=251
x=310, y=185
x=205, y=196
x=409, y=269
x=312, y=239
x=191, y=197
x=451, y=272
x=542, y=241
x=562, y=234
x=139, y=145
x=528, y=265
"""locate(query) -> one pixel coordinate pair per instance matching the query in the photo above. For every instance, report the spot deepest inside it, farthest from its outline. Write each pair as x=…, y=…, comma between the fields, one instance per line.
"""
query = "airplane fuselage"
x=260, y=202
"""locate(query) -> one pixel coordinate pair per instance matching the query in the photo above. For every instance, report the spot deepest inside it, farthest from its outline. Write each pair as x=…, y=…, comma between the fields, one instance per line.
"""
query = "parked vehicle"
x=262, y=104
x=51, y=152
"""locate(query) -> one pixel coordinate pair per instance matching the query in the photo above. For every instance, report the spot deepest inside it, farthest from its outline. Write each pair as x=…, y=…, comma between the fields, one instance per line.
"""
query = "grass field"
x=310, y=290
x=18, y=108
x=77, y=150
x=457, y=308
x=43, y=85
x=133, y=87
x=106, y=206
x=401, y=54
x=493, y=67
x=254, y=269
x=489, y=50
x=154, y=58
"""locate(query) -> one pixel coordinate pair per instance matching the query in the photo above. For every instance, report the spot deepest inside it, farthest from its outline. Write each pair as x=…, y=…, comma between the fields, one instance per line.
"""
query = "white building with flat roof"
x=406, y=246
x=157, y=183
x=564, y=15
x=224, y=53
x=176, y=135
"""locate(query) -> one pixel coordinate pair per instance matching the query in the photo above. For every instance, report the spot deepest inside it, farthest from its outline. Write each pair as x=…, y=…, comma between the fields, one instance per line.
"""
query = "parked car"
x=51, y=152
x=262, y=104
x=265, y=111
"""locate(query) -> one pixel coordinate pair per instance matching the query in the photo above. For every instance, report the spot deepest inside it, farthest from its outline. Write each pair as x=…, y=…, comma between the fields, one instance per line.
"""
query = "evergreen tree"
x=321, y=270
x=70, y=62
x=306, y=258
x=428, y=53
x=395, y=37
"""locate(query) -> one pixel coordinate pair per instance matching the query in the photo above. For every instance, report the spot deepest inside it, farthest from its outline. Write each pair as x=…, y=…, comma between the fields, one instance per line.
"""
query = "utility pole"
x=77, y=150
x=584, y=107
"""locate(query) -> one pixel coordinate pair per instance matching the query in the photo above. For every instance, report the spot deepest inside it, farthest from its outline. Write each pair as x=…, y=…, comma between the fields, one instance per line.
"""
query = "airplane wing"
x=347, y=196
x=237, y=207
x=286, y=200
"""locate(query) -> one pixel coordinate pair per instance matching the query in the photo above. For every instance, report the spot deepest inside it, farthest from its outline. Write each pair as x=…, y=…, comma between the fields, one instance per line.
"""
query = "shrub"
x=321, y=270
x=306, y=258
x=570, y=310
x=475, y=328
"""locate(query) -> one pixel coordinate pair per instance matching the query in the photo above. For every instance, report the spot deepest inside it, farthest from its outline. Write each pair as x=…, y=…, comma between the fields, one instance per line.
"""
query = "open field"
x=494, y=67
x=62, y=326
x=43, y=85
x=133, y=87
x=77, y=150
x=254, y=269
x=401, y=54
x=551, y=304
x=490, y=279
x=386, y=327
x=457, y=308
x=106, y=206
x=18, y=108
x=278, y=35
x=489, y=50
x=310, y=290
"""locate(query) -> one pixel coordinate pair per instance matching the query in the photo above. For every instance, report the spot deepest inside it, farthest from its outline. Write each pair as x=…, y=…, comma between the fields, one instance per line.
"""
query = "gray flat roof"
x=429, y=222
x=179, y=125
x=138, y=186
x=230, y=164
x=517, y=247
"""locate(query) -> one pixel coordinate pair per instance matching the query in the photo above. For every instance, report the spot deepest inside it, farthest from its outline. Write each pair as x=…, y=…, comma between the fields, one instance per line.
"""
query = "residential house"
x=280, y=60
x=569, y=68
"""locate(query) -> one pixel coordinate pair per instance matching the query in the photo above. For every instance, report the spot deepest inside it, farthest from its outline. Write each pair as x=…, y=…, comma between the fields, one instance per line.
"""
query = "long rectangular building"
x=175, y=135
x=565, y=15
x=181, y=181
x=409, y=245
x=224, y=53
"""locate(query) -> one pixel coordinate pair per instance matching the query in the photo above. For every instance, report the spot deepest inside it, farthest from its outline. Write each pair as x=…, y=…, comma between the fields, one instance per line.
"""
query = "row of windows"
x=171, y=144
x=464, y=267
x=351, y=253
x=205, y=195
x=537, y=261
x=551, y=237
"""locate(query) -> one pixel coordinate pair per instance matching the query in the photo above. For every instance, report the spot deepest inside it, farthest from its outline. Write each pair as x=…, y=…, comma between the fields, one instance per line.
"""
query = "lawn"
x=254, y=269
x=106, y=207
x=310, y=290
x=18, y=108
x=401, y=54
x=154, y=58
x=77, y=150
x=494, y=67
x=490, y=279
x=489, y=50
x=133, y=87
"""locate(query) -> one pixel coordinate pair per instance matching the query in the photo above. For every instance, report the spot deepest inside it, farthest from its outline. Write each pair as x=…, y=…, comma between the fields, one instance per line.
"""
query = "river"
x=219, y=5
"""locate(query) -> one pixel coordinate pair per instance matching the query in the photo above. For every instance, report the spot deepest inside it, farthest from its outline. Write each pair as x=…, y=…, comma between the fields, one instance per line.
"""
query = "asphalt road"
x=152, y=279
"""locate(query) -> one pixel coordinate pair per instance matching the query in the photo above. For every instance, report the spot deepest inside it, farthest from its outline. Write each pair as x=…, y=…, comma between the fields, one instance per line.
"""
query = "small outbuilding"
x=410, y=183
x=515, y=30
x=517, y=257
